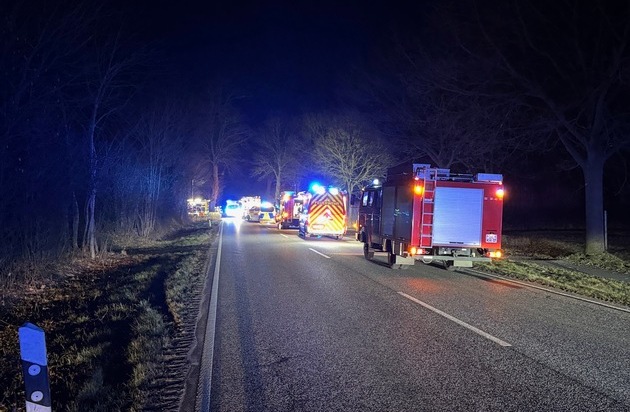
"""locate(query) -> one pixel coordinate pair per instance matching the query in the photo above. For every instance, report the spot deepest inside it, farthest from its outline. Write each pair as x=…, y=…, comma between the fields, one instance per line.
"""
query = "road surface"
x=310, y=325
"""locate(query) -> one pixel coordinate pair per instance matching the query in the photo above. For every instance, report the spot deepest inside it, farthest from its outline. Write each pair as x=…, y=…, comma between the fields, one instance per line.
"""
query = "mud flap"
x=463, y=263
x=403, y=262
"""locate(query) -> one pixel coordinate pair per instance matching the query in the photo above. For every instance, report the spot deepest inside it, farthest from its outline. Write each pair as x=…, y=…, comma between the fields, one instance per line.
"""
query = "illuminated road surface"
x=312, y=326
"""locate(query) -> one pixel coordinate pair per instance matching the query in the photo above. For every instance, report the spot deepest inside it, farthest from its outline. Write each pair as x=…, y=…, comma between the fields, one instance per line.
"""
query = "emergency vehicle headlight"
x=333, y=191
x=500, y=193
x=418, y=189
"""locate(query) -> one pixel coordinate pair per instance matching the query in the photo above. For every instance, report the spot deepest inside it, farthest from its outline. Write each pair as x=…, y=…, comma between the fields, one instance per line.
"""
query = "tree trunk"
x=215, y=187
x=91, y=232
x=75, y=222
x=276, y=195
x=268, y=190
x=593, y=170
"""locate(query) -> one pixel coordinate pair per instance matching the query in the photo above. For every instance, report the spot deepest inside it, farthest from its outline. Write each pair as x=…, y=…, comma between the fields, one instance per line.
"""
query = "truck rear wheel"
x=366, y=252
x=391, y=259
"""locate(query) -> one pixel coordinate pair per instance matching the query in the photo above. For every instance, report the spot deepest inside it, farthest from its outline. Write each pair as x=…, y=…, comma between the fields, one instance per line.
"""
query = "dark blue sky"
x=287, y=57
x=283, y=57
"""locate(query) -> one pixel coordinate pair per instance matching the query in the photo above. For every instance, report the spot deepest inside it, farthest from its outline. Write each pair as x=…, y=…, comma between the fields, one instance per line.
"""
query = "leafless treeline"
x=77, y=160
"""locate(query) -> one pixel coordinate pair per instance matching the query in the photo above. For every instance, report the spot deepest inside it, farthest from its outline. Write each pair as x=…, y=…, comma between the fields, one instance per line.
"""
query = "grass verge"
x=571, y=281
x=108, y=323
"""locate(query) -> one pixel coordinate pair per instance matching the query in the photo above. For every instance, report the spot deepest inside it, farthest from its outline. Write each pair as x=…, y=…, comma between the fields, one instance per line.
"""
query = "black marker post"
x=35, y=368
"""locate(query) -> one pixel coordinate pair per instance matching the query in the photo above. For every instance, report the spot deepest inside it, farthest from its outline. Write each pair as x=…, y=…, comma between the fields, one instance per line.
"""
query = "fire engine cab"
x=430, y=214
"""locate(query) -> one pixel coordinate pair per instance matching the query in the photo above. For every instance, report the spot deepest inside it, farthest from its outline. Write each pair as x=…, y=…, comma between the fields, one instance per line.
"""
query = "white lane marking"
x=454, y=319
x=319, y=253
x=203, y=399
x=282, y=234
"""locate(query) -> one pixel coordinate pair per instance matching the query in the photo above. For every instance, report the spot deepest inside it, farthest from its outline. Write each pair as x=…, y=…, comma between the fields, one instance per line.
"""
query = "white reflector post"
x=35, y=368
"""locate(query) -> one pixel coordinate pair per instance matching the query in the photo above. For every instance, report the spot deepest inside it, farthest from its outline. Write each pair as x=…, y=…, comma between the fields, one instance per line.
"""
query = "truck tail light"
x=418, y=189
x=500, y=193
x=495, y=254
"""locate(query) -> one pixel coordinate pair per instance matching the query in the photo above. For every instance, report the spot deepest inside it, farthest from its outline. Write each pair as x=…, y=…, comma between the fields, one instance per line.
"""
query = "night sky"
x=284, y=57
x=281, y=58
x=439, y=85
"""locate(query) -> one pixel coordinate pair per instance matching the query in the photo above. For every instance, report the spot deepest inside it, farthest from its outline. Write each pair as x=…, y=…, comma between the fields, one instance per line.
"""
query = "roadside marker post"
x=35, y=368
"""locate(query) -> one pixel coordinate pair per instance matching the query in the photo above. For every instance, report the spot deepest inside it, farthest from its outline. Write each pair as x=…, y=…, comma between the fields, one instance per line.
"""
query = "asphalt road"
x=310, y=325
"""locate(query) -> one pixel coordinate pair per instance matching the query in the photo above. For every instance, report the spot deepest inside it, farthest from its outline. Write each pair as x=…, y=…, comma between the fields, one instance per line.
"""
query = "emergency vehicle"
x=233, y=209
x=198, y=207
x=247, y=203
x=323, y=212
x=289, y=208
x=430, y=214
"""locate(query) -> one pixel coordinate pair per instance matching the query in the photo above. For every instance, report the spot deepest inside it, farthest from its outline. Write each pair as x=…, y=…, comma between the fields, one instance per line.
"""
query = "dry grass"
x=106, y=321
x=568, y=280
x=568, y=245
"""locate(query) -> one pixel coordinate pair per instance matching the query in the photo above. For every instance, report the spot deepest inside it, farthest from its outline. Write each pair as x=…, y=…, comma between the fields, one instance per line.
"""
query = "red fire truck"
x=430, y=214
x=289, y=208
x=323, y=212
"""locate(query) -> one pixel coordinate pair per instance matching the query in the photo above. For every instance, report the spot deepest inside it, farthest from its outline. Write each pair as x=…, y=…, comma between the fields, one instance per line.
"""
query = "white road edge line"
x=282, y=234
x=319, y=253
x=203, y=401
x=454, y=319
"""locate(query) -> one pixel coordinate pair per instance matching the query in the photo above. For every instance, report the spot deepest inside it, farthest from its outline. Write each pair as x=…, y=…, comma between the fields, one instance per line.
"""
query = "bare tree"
x=40, y=47
x=277, y=153
x=222, y=135
x=570, y=59
x=160, y=143
x=106, y=89
x=348, y=150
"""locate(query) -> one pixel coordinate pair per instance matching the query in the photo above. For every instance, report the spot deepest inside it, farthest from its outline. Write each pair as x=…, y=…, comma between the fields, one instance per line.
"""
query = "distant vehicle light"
x=376, y=182
x=500, y=193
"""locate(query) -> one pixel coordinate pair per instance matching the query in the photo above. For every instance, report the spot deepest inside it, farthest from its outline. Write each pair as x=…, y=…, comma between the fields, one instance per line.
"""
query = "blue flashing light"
x=317, y=188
